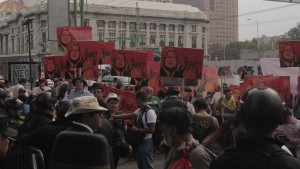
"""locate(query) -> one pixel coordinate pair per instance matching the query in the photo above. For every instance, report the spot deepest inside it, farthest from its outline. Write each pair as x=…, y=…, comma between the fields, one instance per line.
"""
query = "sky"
x=270, y=23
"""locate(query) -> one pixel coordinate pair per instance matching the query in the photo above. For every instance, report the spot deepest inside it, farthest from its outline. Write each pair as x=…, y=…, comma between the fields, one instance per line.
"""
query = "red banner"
x=289, y=53
x=68, y=34
x=236, y=92
x=209, y=79
x=181, y=63
x=106, y=52
x=82, y=58
x=130, y=63
x=53, y=66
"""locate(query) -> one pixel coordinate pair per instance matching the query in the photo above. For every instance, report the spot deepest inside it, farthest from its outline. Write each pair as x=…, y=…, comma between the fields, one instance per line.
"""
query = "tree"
x=294, y=34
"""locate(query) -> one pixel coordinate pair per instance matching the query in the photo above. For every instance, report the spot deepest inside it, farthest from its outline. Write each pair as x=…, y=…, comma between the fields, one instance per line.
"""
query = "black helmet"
x=262, y=107
x=62, y=107
x=45, y=100
x=13, y=104
x=3, y=94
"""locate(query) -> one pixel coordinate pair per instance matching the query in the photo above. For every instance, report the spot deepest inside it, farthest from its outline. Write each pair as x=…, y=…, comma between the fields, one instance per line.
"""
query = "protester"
x=16, y=88
x=74, y=150
x=13, y=109
x=40, y=88
x=261, y=112
x=176, y=124
x=227, y=104
x=8, y=89
x=98, y=93
x=79, y=90
x=118, y=126
x=215, y=98
x=153, y=101
x=288, y=133
x=85, y=113
x=206, y=122
x=146, y=119
x=5, y=133
x=172, y=99
x=63, y=92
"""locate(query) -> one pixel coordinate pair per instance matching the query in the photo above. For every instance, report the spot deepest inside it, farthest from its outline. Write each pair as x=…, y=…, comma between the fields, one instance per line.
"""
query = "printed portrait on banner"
x=105, y=53
x=289, y=53
x=68, y=34
x=53, y=66
x=236, y=92
x=75, y=60
x=181, y=63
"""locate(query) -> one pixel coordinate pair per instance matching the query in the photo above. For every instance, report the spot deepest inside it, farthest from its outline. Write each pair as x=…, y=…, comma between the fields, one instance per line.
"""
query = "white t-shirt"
x=151, y=118
x=216, y=97
x=16, y=89
x=36, y=91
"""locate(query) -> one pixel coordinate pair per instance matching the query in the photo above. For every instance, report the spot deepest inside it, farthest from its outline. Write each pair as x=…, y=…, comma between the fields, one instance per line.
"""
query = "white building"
x=157, y=24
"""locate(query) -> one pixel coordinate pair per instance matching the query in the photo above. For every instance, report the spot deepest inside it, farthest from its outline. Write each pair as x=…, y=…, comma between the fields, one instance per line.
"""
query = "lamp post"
x=27, y=22
x=256, y=32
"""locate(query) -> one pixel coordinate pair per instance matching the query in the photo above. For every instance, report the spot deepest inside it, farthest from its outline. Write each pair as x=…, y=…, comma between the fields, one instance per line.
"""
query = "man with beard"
x=170, y=63
x=74, y=61
x=119, y=68
x=288, y=56
x=176, y=126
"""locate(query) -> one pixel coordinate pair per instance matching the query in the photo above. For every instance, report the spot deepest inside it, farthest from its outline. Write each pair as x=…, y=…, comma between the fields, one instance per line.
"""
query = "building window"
x=101, y=37
x=181, y=28
x=112, y=37
x=180, y=41
x=132, y=41
x=122, y=25
x=152, y=39
x=152, y=26
x=12, y=44
x=162, y=27
x=132, y=25
x=203, y=29
x=143, y=40
x=194, y=41
x=19, y=45
x=12, y=31
x=171, y=27
x=193, y=28
x=122, y=41
x=43, y=23
x=86, y=22
x=112, y=24
x=162, y=39
x=203, y=42
x=171, y=40
x=100, y=23
x=143, y=25
x=44, y=39
x=30, y=25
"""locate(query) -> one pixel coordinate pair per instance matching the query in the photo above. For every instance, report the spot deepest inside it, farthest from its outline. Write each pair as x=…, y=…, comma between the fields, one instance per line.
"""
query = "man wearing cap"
x=79, y=83
x=5, y=133
x=98, y=93
x=118, y=125
x=16, y=88
x=41, y=88
x=85, y=113
x=172, y=100
x=176, y=127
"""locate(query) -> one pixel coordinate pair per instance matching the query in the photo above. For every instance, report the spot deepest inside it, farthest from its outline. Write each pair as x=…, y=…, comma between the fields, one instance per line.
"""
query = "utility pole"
x=138, y=24
x=82, y=12
x=27, y=22
x=75, y=12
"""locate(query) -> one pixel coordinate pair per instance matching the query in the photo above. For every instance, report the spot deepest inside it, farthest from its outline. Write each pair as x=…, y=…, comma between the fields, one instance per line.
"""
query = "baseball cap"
x=112, y=96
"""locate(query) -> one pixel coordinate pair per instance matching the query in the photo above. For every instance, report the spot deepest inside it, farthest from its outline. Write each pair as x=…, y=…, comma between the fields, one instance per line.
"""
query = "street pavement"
x=158, y=162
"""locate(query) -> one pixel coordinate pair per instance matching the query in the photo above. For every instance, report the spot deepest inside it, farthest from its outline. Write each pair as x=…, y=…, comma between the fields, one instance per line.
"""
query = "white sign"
x=18, y=70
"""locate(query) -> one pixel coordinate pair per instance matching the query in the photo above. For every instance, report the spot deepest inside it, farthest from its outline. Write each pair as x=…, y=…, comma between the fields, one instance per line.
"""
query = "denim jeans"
x=143, y=154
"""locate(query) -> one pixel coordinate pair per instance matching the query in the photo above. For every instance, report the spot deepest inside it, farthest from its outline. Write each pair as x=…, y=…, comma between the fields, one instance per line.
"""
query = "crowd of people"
x=74, y=126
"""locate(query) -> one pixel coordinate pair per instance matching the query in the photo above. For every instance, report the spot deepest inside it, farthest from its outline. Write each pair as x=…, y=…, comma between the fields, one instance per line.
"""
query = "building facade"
x=148, y=26
x=222, y=14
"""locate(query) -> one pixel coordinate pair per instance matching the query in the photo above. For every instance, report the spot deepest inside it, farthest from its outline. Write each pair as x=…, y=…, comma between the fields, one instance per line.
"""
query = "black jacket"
x=173, y=101
x=255, y=153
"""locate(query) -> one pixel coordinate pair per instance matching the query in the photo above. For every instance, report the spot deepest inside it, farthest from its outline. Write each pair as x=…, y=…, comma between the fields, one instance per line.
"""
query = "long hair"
x=165, y=54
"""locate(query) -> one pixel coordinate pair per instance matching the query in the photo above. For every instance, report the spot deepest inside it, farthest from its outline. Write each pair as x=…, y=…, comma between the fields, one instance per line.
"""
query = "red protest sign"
x=289, y=53
x=82, y=58
x=53, y=66
x=298, y=86
x=181, y=63
x=130, y=63
x=236, y=91
x=68, y=34
x=209, y=79
x=106, y=50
